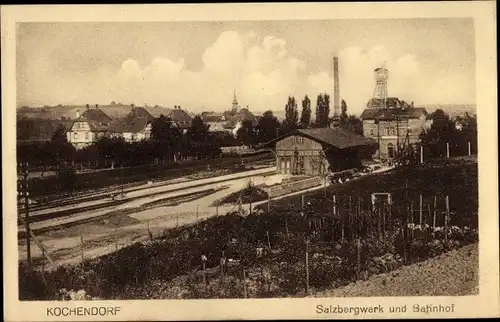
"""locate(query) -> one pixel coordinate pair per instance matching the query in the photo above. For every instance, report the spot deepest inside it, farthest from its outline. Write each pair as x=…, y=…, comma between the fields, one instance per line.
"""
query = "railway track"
x=112, y=190
x=111, y=203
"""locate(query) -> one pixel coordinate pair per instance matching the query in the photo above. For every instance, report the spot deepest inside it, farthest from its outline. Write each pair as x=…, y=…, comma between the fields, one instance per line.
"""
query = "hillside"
x=70, y=112
x=454, y=273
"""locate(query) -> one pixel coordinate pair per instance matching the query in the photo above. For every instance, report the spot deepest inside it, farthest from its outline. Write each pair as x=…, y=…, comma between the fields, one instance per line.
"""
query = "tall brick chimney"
x=336, y=90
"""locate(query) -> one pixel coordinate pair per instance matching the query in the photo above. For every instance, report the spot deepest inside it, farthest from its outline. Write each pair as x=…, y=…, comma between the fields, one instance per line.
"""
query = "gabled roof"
x=336, y=137
x=390, y=102
x=135, y=121
x=243, y=115
x=96, y=119
x=212, y=117
x=178, y=115
x=393, y=113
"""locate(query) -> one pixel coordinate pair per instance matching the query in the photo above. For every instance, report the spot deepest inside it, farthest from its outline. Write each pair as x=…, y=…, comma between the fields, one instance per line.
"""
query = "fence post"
x=446, y=219
x=204, y=271
x=150, y=234
x=349, y=218
x=268, y=242
x=307, y=267
x=428, y=218
x=302, y=212
x=82, y=247
x=43, y=261
x=421, y=210
x=411, y=220
x=217, y=210
x=286, y=227
x=421, y=154
x=379, y=234
x=434, y=213
x=342, y=222
x=334, y=205
x=389, y=209
x=468, y=147
x=447, y=149
x=268, y=203
x=358, y=266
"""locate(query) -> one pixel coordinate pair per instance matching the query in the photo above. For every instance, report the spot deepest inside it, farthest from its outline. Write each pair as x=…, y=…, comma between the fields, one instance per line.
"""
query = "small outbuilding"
x=318, y=151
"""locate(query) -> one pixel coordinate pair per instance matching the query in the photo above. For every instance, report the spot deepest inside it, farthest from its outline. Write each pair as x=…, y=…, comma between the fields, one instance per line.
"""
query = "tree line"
x=458, y=134
x=170, y=144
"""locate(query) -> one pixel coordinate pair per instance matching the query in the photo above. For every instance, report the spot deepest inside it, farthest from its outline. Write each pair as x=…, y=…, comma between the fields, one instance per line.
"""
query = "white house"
x=135, y=127
x=88, y=127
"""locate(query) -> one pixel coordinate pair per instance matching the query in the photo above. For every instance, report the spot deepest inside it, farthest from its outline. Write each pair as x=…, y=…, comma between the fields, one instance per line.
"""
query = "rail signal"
x=23, y=192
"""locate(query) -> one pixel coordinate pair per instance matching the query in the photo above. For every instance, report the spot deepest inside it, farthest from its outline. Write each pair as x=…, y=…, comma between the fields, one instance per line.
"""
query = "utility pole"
x=23, y=191
x=121, y=179
x=378, y=134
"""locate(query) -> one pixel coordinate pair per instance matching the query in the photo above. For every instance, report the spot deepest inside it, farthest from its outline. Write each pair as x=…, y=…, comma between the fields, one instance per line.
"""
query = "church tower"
x=235, y=103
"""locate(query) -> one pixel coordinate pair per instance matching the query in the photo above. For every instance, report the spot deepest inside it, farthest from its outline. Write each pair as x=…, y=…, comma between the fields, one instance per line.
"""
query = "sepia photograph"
x=247, y=159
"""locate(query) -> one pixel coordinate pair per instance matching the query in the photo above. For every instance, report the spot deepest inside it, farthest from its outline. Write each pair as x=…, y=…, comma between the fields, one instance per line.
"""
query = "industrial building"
x=394, y=124
x=320, y=151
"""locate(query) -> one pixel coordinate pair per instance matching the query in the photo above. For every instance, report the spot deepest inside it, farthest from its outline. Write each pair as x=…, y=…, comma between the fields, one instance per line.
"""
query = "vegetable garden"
x=327, y=238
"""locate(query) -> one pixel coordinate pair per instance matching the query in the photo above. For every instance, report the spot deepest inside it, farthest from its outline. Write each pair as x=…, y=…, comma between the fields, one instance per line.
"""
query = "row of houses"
x=136, y=126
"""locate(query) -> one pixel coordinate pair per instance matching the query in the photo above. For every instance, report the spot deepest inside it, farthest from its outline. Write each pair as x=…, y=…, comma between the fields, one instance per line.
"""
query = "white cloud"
x=262, y=72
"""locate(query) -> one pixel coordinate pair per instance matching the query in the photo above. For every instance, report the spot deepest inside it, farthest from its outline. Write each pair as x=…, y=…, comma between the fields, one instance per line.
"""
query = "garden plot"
x=263, y=254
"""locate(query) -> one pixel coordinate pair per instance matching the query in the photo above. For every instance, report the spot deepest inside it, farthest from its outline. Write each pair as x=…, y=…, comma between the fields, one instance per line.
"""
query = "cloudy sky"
x=198, y=64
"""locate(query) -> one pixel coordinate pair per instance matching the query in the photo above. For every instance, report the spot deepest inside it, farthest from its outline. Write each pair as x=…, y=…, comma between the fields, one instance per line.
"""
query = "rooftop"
x=336, y=137
x=135, y=121
x=393, y=113
x=96, y=119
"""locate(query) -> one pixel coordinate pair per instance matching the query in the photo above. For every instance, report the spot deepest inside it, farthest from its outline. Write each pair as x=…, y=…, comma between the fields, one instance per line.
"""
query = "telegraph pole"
x=23, y=192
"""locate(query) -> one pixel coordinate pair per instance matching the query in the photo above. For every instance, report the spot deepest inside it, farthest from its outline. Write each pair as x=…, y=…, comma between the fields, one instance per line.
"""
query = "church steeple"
x=235, y=102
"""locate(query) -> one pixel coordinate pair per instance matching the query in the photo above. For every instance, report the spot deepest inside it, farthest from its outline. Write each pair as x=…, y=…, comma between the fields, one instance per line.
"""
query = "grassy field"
x=269, y=248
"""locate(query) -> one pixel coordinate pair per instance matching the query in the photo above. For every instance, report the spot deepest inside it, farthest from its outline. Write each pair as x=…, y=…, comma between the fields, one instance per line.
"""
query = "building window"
x=372, y=133
x=75, y=135
x=86, y=136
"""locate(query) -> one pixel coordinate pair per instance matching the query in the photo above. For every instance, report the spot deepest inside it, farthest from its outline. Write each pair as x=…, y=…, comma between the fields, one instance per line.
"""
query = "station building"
x=318, y=151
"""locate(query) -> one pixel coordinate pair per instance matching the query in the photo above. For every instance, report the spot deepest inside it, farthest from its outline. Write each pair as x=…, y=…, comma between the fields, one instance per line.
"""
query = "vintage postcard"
x=250, y=161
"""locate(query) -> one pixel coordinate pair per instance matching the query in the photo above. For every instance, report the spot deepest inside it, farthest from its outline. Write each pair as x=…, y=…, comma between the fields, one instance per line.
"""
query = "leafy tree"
x=467, y=127
x=198, y=132
x=305, y=117
x=322, y=110
x=442, y=131
x=111, y=149
x=167, y=139
x=202, y=143
x=326, y=108
x=267, y=127
x=291, y=115
x=246, y=133
x=59, y=146
x=67, y=179
x=343, y=113
x=352, y=124
x=319, y=111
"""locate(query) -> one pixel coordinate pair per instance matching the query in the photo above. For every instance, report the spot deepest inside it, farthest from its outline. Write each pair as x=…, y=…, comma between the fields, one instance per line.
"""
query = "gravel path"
x=451, y=274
